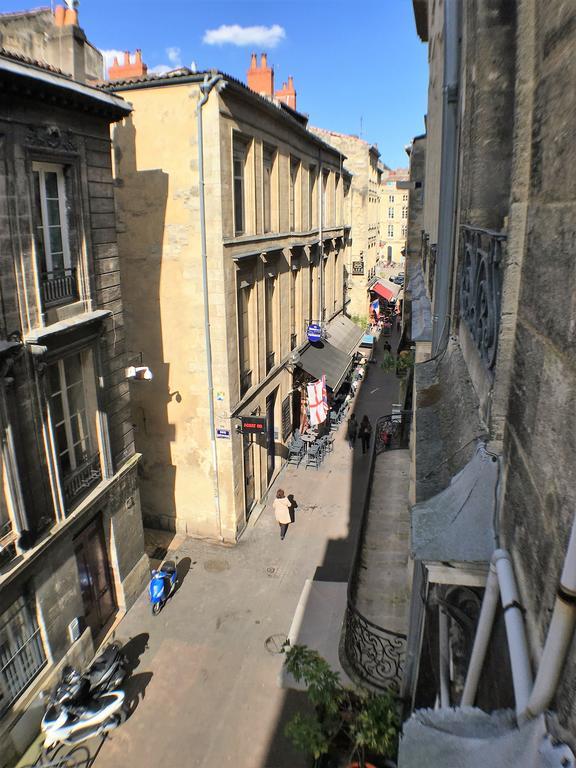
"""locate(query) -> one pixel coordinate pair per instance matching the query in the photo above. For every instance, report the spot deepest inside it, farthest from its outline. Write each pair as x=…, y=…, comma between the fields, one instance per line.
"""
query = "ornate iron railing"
x=376, y=654
x=59, y=287
x=373, y=654
x=78, y=482
x=393, y=431
x=480, y=289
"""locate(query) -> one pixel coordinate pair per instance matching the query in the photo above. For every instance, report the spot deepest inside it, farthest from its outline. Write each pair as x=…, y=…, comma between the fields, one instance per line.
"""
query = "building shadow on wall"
x=142, y=197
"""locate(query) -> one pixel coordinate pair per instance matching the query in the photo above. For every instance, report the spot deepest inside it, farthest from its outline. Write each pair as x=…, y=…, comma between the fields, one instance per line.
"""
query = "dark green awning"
x=323, y=358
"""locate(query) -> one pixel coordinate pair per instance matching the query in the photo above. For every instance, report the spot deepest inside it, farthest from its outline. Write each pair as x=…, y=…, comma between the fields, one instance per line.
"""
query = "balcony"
x=480, y=289
x=78, y=482
x=59, y=287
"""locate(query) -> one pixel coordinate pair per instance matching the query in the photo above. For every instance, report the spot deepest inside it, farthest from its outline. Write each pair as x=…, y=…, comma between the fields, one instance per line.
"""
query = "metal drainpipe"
x=206, y=88
x=448, y=169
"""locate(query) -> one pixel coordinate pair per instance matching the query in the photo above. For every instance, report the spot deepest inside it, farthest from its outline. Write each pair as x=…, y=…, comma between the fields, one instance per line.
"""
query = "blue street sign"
x=314, y=332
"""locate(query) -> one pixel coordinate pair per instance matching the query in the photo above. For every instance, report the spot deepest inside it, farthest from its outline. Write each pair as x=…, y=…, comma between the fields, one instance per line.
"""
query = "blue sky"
x=358, y=67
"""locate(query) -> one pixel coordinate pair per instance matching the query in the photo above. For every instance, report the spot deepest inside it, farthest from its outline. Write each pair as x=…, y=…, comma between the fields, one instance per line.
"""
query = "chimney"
x=59, y=15
x=287, y=94
x=128, y=69
x=260, y=78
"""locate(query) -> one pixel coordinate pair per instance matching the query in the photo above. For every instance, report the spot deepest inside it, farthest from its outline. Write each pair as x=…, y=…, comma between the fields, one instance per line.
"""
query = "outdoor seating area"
x=312, y=447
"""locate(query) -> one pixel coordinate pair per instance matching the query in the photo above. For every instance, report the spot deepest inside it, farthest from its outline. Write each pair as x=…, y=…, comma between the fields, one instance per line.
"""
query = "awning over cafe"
x=323, y=358
x=456, y=525
x=341, y=332
x=382, y=291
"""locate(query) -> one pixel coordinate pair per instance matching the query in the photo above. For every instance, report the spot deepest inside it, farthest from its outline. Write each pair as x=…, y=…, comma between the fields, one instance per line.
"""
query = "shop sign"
x=314, y=332
x=357, y=267
x=253, y=425
x=223, y=433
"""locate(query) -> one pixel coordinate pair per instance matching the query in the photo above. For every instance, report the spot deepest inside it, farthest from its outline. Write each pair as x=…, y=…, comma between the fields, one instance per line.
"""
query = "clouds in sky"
x=109, y=55
x=234, y=34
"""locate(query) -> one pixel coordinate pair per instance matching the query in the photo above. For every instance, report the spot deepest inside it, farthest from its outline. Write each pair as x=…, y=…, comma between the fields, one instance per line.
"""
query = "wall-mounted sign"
x=253, y=425
x=220, y=396
x=314, y=332
x=223, y=433
x=357, y=267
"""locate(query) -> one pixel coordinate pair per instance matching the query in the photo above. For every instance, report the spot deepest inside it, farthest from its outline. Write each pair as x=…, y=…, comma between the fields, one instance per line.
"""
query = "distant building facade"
x=394, y=201
x=277, y=229
x=362, y=159
x=71, y=539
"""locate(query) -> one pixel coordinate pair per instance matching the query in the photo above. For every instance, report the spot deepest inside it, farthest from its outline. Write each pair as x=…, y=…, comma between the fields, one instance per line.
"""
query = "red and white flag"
x=316, y=403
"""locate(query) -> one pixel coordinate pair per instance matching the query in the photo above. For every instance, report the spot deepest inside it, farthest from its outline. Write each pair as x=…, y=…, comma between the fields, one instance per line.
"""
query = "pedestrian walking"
x=365, y=432
x=282, y=508
x=352, y=430
x=387, y=347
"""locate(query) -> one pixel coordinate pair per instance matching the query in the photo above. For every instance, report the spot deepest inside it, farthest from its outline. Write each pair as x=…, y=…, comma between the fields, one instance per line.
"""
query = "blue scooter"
x=162, y=585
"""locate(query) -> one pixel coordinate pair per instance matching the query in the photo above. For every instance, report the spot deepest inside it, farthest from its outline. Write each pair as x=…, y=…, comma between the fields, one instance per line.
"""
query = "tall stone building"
x=276, y=212
x=54, y=38
x=491, y=295
x=71, y=541
x=365, y=251
x=393, y=217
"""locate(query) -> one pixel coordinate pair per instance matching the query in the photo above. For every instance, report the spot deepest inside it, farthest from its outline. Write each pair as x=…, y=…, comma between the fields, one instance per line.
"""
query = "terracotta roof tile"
x=21, y=59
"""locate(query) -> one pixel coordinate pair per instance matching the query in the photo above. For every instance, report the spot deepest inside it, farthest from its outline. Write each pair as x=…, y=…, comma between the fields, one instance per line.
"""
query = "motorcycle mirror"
x=154, y=572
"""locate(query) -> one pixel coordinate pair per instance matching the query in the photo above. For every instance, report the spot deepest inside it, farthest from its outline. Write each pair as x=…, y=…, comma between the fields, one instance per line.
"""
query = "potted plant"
x=355, y=722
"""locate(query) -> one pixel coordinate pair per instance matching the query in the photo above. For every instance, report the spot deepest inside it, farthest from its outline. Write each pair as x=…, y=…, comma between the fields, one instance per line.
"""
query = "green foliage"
x=360, y=320
x=376, y=724
x=366, y=721
x=392, y=364
x=308, y=735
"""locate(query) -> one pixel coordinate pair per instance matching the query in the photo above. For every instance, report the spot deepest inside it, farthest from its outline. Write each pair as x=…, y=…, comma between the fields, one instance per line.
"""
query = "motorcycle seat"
x=169, y=567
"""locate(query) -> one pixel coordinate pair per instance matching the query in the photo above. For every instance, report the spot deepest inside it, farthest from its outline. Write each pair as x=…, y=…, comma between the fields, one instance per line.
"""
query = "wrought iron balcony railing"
x=78, y=483
x=373, y=654
x=481, y=287
x=59, y=287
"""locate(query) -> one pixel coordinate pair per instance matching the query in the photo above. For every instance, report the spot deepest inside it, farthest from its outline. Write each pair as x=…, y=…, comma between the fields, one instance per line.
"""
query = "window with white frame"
x=72, y=411
x=404, y=198
x=404, y=211
x=21, y=651
x=57, y=270
x=403, y=230
x=390, y=213
x=390, y=230
x=390, y=198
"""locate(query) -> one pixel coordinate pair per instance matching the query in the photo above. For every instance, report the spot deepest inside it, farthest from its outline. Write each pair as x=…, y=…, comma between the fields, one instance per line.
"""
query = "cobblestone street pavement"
x=204, y=688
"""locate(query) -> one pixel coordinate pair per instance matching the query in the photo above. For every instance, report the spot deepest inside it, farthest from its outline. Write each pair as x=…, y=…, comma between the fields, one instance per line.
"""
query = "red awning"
x=381, y=290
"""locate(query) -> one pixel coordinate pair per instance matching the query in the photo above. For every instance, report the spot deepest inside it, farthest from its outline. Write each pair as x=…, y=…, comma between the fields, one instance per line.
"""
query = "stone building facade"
x=71, y=541
x=277, y=230
x=54, y=38
x=393, y=217
x=491, y=293
x=362, y=159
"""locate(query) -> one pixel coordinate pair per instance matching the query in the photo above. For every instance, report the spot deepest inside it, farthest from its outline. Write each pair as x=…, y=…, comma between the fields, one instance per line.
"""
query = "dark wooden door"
x=271, y=442
x=95, y=583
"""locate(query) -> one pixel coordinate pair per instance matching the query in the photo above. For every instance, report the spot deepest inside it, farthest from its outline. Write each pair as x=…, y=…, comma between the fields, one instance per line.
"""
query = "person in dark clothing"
x=387, y=347
x=365, y=433
x=352, y=430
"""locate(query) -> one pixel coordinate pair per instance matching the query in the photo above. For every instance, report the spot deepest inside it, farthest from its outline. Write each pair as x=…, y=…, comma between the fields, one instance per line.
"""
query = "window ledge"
x=63, y=326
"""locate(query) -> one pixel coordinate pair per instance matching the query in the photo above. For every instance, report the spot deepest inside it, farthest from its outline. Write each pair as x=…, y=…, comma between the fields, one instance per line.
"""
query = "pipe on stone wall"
x=206, y=88
x=448, y=171
x=501, y=580
x=558, y=639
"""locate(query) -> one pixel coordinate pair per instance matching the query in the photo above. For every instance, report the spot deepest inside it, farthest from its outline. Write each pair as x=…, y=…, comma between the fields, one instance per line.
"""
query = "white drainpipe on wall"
x=560, y=634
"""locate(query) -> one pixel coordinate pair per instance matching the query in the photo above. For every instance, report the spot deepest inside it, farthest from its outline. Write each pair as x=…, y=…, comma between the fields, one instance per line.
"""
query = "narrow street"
x=204, y=687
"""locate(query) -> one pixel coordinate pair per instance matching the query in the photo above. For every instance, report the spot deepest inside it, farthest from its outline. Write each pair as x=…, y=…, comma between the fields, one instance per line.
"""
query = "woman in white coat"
x=282, y=507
